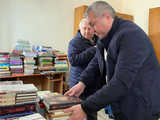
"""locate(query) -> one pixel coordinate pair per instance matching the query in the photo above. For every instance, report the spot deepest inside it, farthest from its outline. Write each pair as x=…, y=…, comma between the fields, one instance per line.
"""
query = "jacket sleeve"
x=91, y=71
x=133, y=51
x=78, y=57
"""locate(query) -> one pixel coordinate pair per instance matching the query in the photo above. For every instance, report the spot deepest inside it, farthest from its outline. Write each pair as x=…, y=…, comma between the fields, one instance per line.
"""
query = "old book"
x=11, y=82
x=54, y=102
x=35, y=116
x=18, y=88
x=17, y=108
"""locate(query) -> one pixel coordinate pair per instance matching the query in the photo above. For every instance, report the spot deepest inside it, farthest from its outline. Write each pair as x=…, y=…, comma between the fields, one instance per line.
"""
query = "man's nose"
x=87, y=30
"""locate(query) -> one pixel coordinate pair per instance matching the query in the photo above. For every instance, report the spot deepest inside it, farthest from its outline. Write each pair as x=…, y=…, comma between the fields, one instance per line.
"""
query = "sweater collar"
x=79, y=35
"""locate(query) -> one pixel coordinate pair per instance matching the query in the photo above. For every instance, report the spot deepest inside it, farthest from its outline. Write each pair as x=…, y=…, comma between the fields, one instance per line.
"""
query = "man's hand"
x=76, y=90
x=76, y=112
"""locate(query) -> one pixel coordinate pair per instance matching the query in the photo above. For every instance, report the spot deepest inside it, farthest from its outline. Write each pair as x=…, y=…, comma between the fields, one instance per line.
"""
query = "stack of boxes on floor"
x=17, y=99
x=4, y=64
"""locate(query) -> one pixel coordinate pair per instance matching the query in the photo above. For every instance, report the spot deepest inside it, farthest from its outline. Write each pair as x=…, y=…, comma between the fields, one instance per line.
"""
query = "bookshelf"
x=50, y=81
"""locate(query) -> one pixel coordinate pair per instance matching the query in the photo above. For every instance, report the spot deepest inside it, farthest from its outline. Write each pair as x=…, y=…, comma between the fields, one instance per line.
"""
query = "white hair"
x=82, y=21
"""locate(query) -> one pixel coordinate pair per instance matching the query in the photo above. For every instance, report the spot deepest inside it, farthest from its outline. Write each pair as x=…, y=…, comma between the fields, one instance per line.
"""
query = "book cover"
x=53, y=102
x=17, y=108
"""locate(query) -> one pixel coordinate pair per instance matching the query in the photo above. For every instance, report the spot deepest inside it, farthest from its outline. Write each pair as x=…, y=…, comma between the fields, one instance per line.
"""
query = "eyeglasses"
x=93, y=23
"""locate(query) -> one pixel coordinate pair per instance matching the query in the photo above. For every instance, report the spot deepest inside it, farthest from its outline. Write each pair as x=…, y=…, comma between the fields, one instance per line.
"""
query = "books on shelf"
x=4, y=64
x=61, y=62
x=54, y=102
x=45, y=62
x=16, y=63
x=29, y=62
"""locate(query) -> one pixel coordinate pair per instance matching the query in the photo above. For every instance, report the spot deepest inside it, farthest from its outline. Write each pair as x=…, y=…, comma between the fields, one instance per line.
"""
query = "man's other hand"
x=76, y=112
x=76, y=90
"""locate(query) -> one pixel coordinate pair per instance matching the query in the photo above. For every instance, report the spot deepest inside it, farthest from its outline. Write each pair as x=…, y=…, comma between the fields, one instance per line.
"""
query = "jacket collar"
x=106, y=40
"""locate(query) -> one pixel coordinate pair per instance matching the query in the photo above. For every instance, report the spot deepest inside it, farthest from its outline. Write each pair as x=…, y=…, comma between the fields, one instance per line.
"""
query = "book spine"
x=17, y=109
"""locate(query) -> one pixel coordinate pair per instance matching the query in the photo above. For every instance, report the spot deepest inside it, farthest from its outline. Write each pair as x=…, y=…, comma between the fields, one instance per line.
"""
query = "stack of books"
x=29, y=62
x=55, y=103
x=29, y=55
x=42, y=94
x=16, y=63
x=21, y=45
x=17, y=100
x=45, y=62
x=57, y=115
x=4, y=64
x=61, y=62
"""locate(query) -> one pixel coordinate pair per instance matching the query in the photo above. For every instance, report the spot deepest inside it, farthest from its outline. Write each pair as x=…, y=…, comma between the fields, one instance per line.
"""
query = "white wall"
x=43, y=22
x=4, y=26
x=50, y=22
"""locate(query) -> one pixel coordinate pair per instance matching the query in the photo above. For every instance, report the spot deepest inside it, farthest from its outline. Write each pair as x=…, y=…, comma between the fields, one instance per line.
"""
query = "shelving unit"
x=41, y=81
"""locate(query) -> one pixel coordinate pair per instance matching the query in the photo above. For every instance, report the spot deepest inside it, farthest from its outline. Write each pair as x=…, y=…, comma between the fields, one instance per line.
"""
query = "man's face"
x=86, y=30
x=101, y=25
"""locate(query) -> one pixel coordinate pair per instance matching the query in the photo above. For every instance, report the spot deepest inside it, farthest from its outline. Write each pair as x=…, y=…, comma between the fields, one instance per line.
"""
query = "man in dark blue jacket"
x=132, y=69
x=80, y=52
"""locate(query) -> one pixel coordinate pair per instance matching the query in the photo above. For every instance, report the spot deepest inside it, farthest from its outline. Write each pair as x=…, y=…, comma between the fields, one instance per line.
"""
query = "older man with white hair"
x=80, y=52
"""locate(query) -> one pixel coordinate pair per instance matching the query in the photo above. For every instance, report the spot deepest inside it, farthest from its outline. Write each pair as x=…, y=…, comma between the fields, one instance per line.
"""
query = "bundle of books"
x=17, y=100
x=21, y=45
x=4, y=64
x=61, y=62
x=29, y=62
x=57, y=115
x=45, y=62
x=16, y=63
x=55, y=103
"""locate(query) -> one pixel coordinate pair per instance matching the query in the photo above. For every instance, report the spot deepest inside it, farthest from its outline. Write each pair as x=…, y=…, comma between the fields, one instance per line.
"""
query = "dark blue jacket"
x=80, y=53
x=132, y=70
